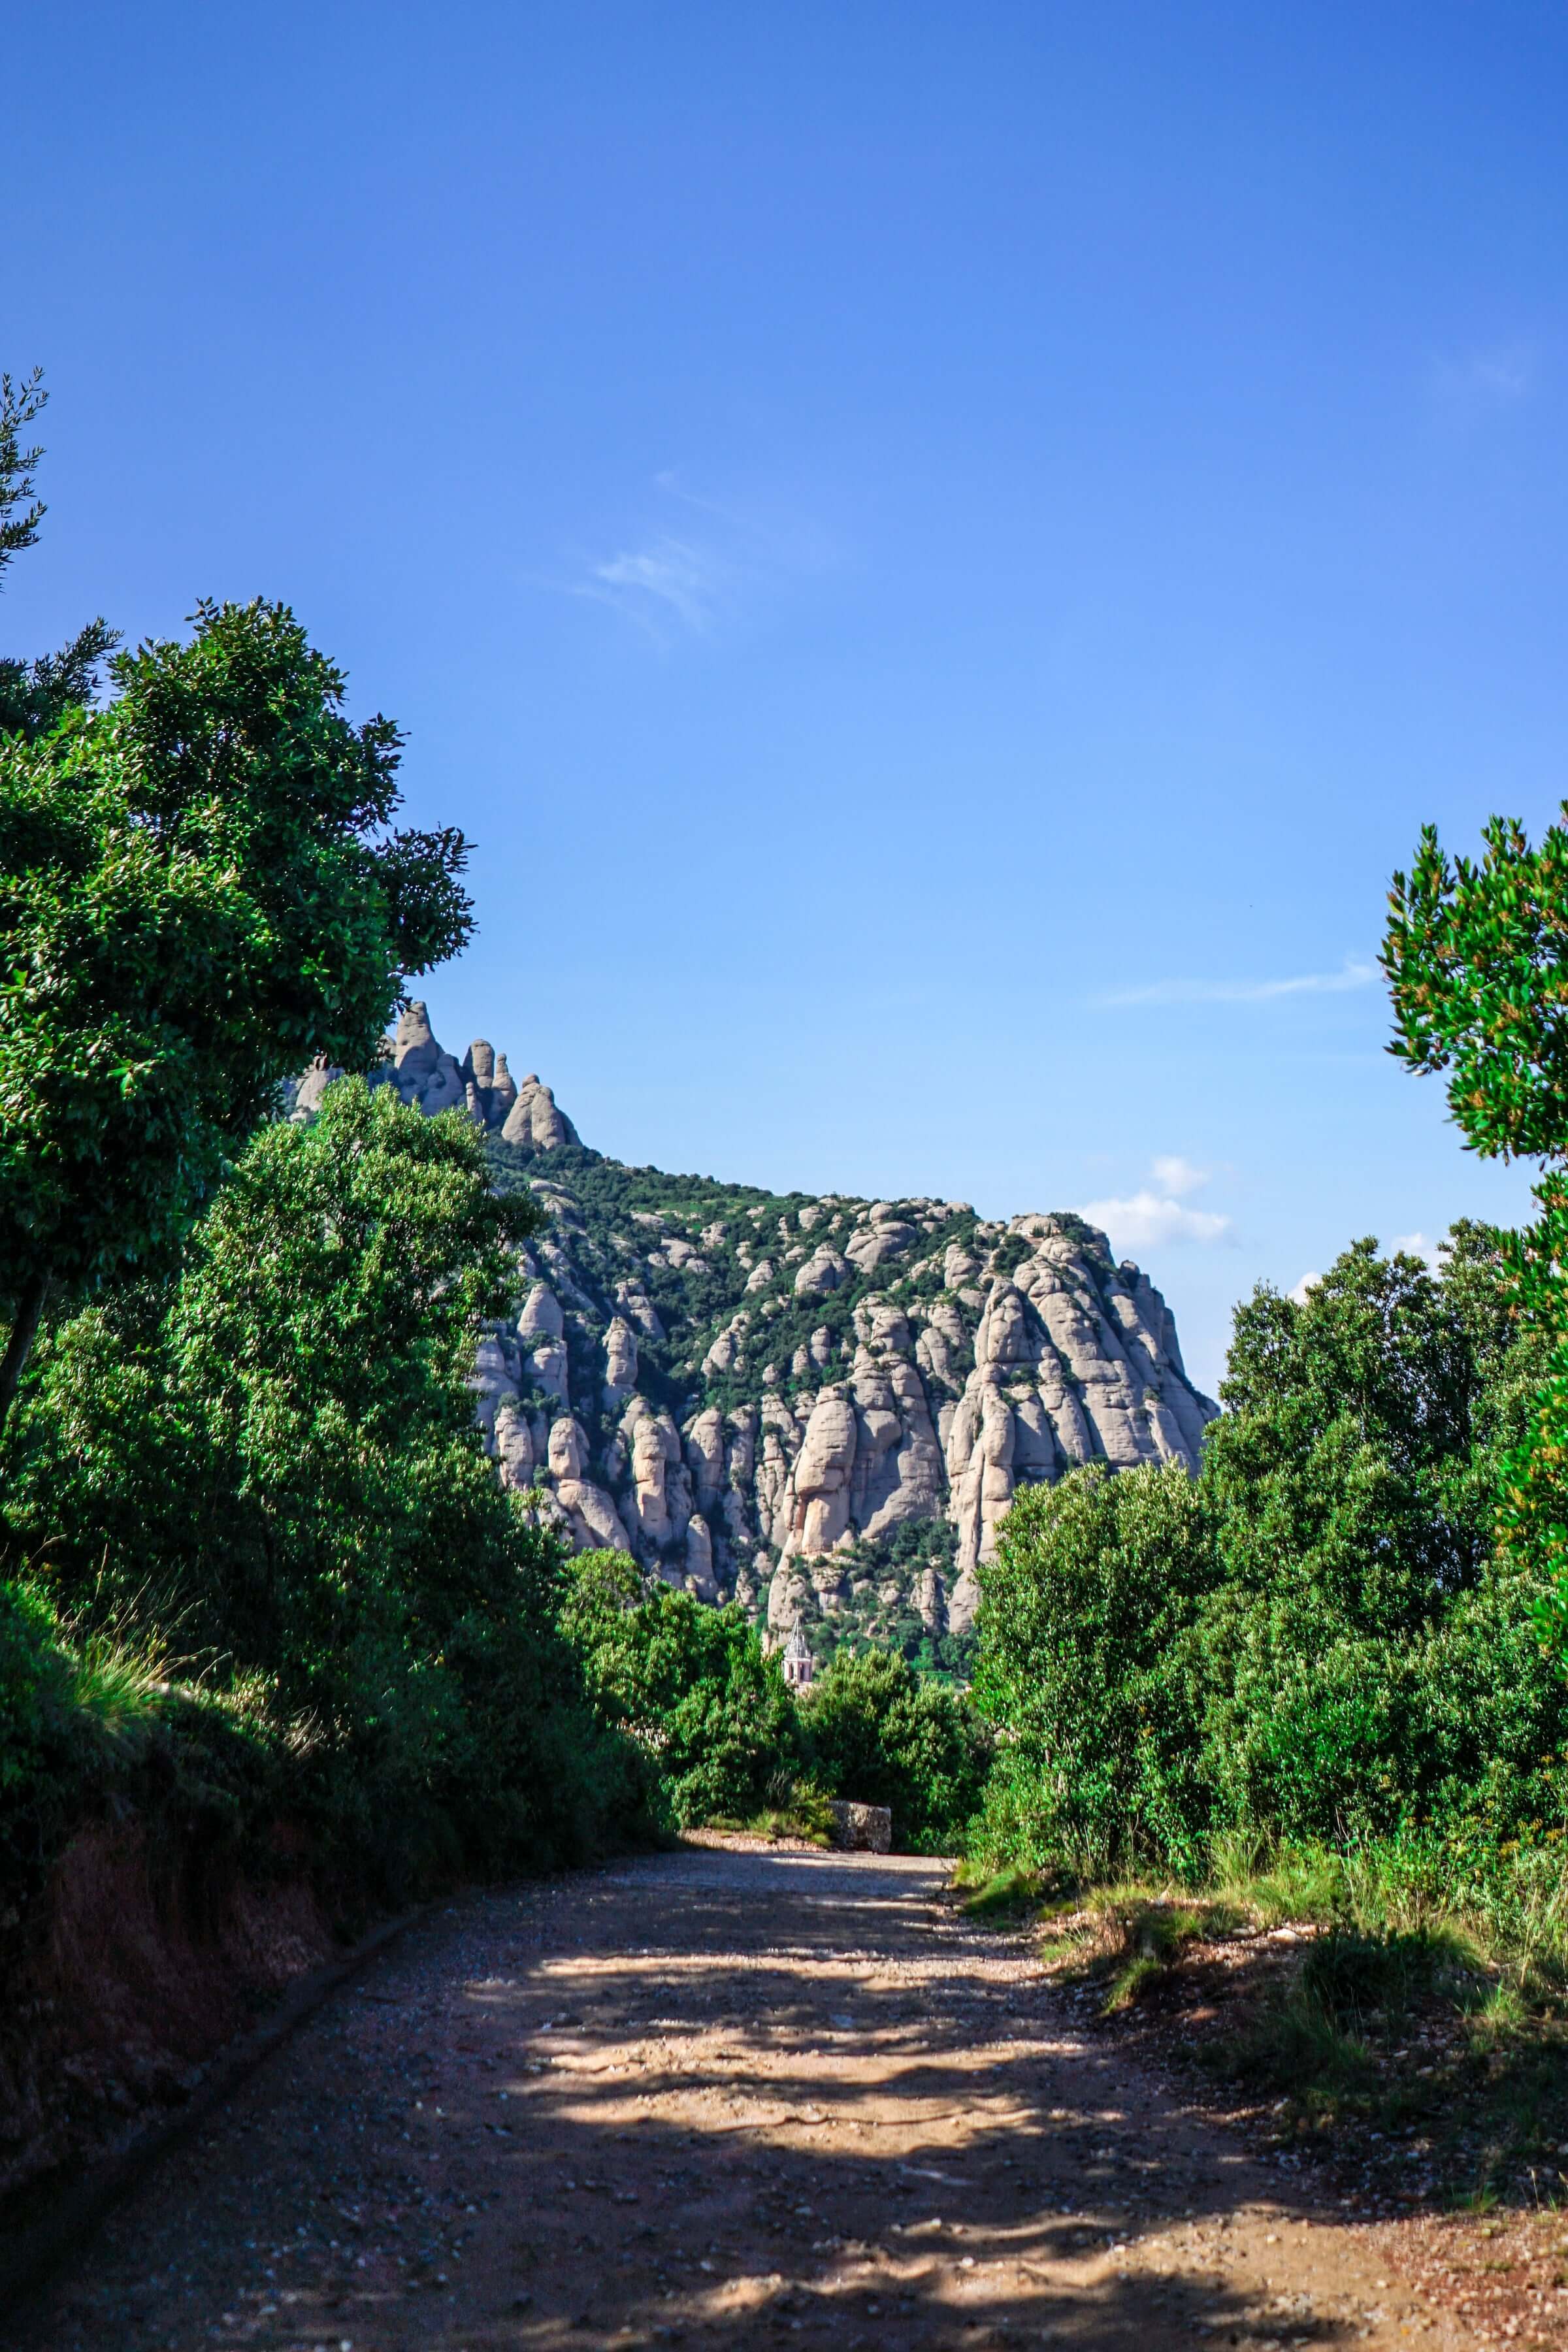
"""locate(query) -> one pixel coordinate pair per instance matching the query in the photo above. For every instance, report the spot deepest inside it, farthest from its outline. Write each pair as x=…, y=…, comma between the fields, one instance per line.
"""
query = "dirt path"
x=716, y=2097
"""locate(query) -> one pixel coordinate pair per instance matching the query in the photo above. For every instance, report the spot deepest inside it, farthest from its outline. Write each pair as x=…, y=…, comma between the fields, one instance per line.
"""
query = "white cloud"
x=1415, y=1245
x=1146, y=1219
x=719, y=559
x=1150, y=1216
x=1353, y=973
x=1175, y=1174
x=1306, y=1284
x=670, y=580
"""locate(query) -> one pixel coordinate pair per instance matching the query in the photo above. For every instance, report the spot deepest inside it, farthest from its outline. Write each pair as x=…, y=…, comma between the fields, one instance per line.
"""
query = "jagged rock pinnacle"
x=818, y=1408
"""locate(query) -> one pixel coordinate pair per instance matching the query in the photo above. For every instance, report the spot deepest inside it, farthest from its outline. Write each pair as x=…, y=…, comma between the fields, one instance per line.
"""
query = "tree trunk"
x=24, y=1331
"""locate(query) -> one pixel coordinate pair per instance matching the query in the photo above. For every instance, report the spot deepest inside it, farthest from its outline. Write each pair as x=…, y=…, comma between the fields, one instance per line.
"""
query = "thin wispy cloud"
x=1483, y=383
x=670, y=483
x=1353, y=973
x=1151, y=1216
x=669, y=583
x=690, y=581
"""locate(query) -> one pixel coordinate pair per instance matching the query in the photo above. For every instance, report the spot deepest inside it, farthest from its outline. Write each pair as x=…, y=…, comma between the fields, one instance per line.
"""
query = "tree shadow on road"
x=811, y=2114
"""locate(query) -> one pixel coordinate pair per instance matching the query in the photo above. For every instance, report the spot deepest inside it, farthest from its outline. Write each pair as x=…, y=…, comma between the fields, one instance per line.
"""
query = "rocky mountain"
x=819, y=1406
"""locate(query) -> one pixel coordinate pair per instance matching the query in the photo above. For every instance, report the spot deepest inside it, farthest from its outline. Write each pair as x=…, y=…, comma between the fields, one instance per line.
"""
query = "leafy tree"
x=1352, y=1489
x=1477, y=956
x=1084, y=1663
x=20, y=404
x=1349, y=1424
x=881, y=1735
x=274, y=1461
x=200, y=892
x=689, y=1682
x=1314, y=1639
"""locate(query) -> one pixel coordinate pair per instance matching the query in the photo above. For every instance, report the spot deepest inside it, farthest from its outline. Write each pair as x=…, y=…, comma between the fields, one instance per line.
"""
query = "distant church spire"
x=799, y=1665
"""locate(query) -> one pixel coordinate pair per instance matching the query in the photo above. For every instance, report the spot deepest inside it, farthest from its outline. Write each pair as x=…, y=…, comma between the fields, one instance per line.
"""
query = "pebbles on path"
x=717, y=2097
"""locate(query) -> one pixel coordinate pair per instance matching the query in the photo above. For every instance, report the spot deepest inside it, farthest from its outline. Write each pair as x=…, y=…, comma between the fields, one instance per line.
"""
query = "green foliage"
x=882, y=1735
x=694, y=1688
x=796, y=1808
x=1474, y=954
x=1009, y=1253
x=276, y=1457
x=199, y=894
x=690, y=1683
x=36, y=694
x=20, y=405
x=85, y=1722
x=1154, y=1937
x=34, y=1748
x=1475, y=957
x=1532, y=1517
x=1364, y=1652
x=1003, y=1896
x=868, y=1621
x=1316, y=1639
x=694, y=1300
x=1086, y=1666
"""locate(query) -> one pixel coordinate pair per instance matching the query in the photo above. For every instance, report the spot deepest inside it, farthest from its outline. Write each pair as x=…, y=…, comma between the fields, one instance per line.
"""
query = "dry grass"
x=1366, y=2004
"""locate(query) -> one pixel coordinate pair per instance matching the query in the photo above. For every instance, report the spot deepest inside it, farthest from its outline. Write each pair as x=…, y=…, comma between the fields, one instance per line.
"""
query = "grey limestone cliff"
x=820, y=1407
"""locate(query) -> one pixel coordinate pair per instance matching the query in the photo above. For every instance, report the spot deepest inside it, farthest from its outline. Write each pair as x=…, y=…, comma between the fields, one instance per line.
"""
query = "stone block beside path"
x=862, y=1829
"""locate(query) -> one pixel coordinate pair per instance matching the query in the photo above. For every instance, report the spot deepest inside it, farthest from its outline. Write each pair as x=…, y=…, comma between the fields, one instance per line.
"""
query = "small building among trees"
x=799, y=1665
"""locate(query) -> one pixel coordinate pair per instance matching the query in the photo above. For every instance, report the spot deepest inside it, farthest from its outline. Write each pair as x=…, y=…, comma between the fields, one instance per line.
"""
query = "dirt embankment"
x=724, y=2098
x=123, y=1978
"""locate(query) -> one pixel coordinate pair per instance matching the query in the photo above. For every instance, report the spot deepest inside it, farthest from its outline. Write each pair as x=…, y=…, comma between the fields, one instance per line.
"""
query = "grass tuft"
x=1152, y=1936
x=1295, y=2045
x=1007, y=1894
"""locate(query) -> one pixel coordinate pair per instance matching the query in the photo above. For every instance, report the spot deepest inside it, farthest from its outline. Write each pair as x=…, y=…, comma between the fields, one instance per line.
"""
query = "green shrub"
x=882, y=1735
x=1086, y=1668
x=690, y=1683
x=1315, y=1641
x=1012, y=1893
x=274, y=1462
x=40, y=1769
x=84, y=1722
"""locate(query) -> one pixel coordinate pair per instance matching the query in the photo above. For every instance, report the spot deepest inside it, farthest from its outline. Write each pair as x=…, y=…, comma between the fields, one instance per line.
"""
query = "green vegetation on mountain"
x=833, y=1398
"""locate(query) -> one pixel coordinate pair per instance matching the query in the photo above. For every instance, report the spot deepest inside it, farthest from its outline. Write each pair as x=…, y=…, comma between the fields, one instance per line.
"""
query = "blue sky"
x=942, y=554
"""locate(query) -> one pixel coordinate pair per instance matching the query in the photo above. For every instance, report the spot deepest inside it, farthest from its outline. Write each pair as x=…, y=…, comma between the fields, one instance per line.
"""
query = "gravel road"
x=722, y=2096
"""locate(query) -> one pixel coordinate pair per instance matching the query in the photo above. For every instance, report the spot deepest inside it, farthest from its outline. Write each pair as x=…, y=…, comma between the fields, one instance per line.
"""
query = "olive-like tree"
x=1476, y=958
x=202, y=890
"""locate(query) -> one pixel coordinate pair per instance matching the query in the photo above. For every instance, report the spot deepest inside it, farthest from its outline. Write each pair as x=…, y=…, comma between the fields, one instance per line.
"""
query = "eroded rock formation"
x=817, y=1407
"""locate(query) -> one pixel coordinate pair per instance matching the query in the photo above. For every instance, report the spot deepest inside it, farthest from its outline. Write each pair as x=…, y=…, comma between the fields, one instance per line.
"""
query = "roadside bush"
x=1086, y=1668
x=39, y=1769
x=273, y=1463
x=84, y=1722
x=1316, y=1640
x=690, y=1683
x=881, y=1734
